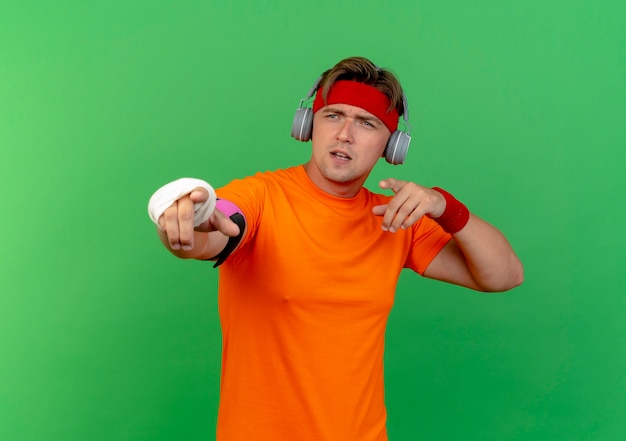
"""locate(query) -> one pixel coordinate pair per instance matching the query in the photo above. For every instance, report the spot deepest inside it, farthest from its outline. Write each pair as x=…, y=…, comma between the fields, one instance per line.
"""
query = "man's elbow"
x=512, y=278
x=519, y=276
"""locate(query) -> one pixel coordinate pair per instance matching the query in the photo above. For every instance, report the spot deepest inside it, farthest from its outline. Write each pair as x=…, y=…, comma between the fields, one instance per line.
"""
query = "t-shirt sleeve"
x=428, y=240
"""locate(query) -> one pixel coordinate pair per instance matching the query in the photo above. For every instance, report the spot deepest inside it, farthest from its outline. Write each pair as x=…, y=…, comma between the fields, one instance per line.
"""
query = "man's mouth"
x=341, y=156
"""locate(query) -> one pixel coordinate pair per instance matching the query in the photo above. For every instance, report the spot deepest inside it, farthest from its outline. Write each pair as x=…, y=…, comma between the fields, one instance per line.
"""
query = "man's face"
x=347, y=142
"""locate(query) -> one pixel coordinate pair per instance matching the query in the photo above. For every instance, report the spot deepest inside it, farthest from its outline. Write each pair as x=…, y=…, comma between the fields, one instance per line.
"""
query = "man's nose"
x=346, y=131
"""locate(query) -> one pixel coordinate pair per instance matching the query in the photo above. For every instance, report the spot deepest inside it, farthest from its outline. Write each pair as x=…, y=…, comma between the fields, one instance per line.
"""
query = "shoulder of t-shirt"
x=376, y=198
x=257, y=183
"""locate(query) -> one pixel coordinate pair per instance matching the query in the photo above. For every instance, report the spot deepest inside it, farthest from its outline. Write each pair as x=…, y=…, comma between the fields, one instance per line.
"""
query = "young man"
x=309, y=260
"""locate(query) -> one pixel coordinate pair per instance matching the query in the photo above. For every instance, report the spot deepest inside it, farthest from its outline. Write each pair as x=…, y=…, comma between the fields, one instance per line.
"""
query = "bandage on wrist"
x=165, y=196
x=455, y=216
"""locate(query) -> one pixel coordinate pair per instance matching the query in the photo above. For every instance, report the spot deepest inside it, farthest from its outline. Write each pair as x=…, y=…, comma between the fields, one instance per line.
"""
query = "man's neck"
x=338, y=189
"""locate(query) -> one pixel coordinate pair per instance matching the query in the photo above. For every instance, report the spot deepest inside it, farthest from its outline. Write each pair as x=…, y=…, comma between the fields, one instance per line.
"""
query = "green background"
x=517, y=107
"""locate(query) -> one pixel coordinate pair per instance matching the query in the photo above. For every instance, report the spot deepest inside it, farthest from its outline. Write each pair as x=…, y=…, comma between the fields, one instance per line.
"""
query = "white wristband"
x=165, y=196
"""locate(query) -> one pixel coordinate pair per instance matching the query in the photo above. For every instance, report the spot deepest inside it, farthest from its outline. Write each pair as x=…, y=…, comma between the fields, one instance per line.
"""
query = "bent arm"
x=478, y=257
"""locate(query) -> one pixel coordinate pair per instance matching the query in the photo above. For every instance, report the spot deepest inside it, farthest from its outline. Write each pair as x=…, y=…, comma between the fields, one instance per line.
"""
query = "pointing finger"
x=392, y=183
x=185, y=222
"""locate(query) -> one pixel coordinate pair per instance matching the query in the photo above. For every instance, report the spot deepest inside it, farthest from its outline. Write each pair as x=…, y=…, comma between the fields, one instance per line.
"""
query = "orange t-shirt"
x=303, y=305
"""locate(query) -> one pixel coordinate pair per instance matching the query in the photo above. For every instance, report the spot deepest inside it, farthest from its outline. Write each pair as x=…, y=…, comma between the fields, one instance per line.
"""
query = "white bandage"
x=165, y=196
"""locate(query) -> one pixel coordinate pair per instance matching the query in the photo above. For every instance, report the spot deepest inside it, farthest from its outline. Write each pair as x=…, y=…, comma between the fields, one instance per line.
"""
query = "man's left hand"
x=409, y=203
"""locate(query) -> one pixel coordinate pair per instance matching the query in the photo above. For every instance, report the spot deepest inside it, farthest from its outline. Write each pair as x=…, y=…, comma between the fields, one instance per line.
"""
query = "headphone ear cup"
x=397, y=147
x=302, y=126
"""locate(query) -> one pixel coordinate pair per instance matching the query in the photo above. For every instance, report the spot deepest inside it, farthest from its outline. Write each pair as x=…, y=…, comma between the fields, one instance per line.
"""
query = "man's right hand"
x=177, y=224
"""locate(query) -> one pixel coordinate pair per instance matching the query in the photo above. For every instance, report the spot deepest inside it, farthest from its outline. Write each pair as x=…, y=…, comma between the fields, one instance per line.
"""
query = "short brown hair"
x=364, y=71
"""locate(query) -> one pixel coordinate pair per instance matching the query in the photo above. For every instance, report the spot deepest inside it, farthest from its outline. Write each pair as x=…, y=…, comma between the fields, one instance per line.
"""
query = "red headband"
x=360, y=95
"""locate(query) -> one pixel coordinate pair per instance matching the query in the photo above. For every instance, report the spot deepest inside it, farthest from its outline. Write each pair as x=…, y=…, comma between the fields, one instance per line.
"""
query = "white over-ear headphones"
x=397, y=146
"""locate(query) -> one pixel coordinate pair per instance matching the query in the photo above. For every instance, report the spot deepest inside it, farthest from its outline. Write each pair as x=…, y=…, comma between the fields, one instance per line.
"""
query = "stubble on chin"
x=337, y=175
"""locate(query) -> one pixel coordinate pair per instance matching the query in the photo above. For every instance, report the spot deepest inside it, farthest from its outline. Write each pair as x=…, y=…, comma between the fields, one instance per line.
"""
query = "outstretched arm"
x=480, y=257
